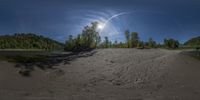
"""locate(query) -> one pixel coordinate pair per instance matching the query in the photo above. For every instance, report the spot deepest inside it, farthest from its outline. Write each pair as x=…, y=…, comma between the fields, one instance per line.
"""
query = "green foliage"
x=119, y=45
x=90, y=36
x=195, y=42
x=127, y=35
x=28, y=41
x=151, y=43
x=88, y=39
x=115, y=44
x=106, y=42
x=171, y=43
x=140, y=45
x=159, y=45
x=134, y=39
x=70, y=43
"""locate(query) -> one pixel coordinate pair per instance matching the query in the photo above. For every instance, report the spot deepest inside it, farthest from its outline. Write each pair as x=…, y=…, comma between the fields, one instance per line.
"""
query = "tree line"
x=28, y=41
x=90, y=39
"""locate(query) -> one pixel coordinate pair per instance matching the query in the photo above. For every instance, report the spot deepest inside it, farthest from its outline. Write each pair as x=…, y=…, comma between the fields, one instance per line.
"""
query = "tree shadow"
x=27, y=65
x=192, y=53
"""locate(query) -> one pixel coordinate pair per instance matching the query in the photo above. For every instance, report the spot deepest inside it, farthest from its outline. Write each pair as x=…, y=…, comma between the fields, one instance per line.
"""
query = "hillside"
x=28, y=41
x=193, y=42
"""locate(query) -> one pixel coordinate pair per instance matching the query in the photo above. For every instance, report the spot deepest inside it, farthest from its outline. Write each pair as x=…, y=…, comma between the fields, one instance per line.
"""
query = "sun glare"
x=100, y=26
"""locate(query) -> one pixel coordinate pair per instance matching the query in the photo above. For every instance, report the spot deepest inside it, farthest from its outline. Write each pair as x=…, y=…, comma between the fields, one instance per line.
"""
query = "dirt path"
x=110, y=74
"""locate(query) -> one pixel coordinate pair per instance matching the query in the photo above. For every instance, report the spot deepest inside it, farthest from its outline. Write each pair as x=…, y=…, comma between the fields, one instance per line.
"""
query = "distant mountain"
x=28, y=41
x=193, y=42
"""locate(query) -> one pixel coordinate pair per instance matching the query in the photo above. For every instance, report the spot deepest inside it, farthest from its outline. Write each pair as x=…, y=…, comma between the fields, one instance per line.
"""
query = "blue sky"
x=159, y=19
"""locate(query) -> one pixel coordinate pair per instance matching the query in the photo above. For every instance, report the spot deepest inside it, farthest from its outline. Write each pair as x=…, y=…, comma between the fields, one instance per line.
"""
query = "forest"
x=28, y=41
x=193, y=42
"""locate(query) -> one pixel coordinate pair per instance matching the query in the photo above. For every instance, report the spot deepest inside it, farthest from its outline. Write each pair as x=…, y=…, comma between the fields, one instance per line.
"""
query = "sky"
x=57, y=19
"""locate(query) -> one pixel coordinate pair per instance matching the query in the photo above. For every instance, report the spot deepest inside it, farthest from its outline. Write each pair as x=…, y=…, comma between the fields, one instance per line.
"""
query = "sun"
x=100, y=26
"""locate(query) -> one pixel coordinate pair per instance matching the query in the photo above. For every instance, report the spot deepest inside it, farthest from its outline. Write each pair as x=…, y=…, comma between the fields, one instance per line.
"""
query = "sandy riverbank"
x=108, y=74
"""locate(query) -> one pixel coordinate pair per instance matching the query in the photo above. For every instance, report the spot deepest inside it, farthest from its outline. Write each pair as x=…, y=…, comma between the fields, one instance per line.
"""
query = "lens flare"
x=100, y=26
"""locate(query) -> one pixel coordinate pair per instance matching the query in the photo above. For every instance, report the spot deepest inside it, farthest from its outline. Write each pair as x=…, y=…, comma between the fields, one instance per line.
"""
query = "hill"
x=28, y=41
x=193, y=42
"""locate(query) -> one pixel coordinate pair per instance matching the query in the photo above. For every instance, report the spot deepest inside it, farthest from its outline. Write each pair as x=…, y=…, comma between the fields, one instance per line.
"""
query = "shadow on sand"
x=49, y=61
x=192, y=53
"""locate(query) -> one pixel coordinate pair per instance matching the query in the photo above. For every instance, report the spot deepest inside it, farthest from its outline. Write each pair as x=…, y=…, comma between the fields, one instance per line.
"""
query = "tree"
x=151, y=43
x=127, y=35
x=171, y=43
x=106, y=42
x=98, y=41
x=90, y=37
x=115, y=44
x=122, y=45
x=70, y=43
x=140, y=45
x=134, y=39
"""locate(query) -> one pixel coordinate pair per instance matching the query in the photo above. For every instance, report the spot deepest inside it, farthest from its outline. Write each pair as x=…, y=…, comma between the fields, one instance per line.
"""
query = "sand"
x=108, y=74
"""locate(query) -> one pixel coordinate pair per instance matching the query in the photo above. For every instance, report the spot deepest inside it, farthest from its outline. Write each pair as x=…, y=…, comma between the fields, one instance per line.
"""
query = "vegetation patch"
x=28, y=41
x=195, y=42
x=90, y=39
